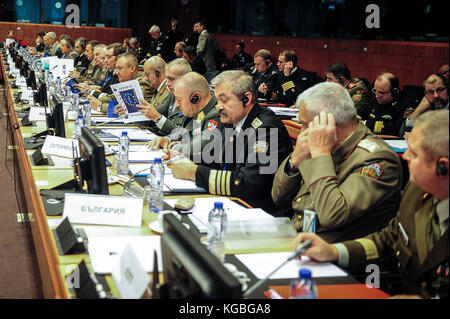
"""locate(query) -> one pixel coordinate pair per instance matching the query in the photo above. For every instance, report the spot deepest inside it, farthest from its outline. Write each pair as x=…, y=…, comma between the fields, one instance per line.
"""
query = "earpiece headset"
x=244, y=99
x=441, y=170
x=395, y=85
x=157, y=73
x=194, y=98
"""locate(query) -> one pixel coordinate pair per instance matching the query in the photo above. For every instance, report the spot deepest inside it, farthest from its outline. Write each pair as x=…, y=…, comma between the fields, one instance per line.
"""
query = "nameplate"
x=103, y=210
x=135, y=117
x=38, y=113
x=129, y=275
x=59, y=146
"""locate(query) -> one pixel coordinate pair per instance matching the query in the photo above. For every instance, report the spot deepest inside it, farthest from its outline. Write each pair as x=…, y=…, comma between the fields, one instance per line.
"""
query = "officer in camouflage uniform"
x=346, y=174
x=253, y=143
x=339, y=73
x=415, y=242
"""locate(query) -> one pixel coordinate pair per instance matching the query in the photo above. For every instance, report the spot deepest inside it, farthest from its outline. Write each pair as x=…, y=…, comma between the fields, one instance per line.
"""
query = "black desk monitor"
x=93, y=163
x=190, y=269
x=55, y=120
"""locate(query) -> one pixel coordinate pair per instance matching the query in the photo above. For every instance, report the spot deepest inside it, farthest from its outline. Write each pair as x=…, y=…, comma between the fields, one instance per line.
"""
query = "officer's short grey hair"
x=241, y=82
x=51, y=35
x=130, y=58
x=331, y=98
x=156, y=62
x=180, y=65
x=154, y=28
x=433, y=127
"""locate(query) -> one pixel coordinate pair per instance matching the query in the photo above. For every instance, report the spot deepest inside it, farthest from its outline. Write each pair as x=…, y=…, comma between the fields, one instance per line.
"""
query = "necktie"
x=433, y=230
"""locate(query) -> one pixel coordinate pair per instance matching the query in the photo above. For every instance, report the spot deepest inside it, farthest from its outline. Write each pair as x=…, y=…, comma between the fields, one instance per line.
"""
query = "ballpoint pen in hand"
x=176, y=158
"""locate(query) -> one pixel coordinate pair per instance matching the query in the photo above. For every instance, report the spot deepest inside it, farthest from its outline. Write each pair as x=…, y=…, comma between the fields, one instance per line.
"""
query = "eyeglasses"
x=438, y=91
x=380, y=93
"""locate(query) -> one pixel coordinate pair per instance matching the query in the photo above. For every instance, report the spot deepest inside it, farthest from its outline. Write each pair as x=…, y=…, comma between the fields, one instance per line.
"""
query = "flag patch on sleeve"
x=374, y=171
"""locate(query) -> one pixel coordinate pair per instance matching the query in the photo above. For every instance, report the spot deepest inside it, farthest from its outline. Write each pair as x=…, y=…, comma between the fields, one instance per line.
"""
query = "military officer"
x=51, y=43
x=195, y=99
x=126, y=70
x=81, y=62
x=385, y=114
x=339, y=73
x=266, y=78
x=292, y=80
x=67, y=48
x=136, y=49
x=90, y=54
x=250, y=148
x=340, y=170
x=416, y=241
x=165, y=117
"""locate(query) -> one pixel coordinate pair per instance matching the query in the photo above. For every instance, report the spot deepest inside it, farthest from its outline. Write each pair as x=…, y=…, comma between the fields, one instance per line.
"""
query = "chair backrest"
x=413, y=94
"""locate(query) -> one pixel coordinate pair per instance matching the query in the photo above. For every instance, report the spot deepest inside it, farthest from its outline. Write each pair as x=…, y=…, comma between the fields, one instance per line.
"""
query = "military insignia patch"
x=256, y=123
x=373, y=171
x=261, y=147
x=351, y=85
x=212, y=124
x=236, y=182
x=200, y=116
x=368, y=145
x=356, y=97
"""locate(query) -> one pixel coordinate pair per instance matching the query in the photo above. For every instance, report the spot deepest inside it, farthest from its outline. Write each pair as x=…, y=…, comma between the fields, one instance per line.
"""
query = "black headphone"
x=194, y=98
x=441, y=169
x=157, y=73
x=395, y=85
x=244, y=99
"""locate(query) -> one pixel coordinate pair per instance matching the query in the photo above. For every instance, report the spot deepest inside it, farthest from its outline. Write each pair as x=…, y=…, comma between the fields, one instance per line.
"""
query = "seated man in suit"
x=384, y=114
x=196, y=62
x=415, y=242
x=197, y=103
x=81, y=61
x=339, y=169
x=246, y=154
x=126, y=68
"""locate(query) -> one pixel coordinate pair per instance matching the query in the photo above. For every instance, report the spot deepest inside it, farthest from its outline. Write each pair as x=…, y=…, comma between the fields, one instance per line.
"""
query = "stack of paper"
x=399, y=146
x=284, y=111
x=135, y=134
x=175, y=185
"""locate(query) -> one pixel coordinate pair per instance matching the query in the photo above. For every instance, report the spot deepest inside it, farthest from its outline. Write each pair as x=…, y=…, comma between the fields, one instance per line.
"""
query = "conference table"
x=54, y=267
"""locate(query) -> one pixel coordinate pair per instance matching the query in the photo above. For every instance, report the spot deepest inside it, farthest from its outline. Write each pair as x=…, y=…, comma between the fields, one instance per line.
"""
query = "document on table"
x=398, y=145
x=104, y=252
x=203, y=206
x=284, y=111
x=175, y=185
x=261, y=265
x=146, y=156
x=134, y=134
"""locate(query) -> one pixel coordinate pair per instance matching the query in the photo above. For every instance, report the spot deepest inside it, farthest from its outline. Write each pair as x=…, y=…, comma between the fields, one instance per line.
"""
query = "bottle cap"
x=304, y=273
x=87, y=102
x=124, y=133
x=158, y=160
x=80, y=116
x=218, y=205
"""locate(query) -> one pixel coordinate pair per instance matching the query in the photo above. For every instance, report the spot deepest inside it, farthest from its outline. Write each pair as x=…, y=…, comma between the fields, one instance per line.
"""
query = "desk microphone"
x=125, y=116
x=302, y=247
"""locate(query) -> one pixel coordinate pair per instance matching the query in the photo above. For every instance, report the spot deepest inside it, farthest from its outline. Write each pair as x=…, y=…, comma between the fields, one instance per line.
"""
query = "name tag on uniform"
x=309, y=221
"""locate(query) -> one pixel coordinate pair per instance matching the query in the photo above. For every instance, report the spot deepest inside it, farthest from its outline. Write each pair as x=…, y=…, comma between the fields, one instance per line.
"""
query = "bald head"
x=192, y=93
x=386, y=87
x=155, y=71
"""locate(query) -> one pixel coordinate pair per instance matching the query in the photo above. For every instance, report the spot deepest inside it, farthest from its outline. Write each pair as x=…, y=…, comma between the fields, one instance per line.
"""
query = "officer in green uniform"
x=67, y=48
x=340, y=170
x=340, y=73
x=252, y=144
x=385, y=114
x=194, y=98
x=415, y=243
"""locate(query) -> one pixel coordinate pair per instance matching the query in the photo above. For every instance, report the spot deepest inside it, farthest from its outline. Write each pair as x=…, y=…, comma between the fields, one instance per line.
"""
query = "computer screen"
x=190, y=269
x=55, y=119
x=92, y=163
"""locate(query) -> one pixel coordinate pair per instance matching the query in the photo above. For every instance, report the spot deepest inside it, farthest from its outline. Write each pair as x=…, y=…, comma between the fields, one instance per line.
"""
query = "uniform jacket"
x=240, y=60
x=270, y=77
x=355, y=191
x=81, y=63
x=53, y=48
x=206, y=48
x=192, y=134
x=89, y=73
x=289, y=87
x=71, y=55
x=359, y=92
x=240, y=171
x=402, y=243
x=383, y=118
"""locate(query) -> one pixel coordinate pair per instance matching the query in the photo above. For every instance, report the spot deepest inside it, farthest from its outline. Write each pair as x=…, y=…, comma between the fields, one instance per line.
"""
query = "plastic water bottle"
x=122, y=156
x=217, y=223
x=303, y=287
x=87, y=115
x=67, y=93
x=156, y=181
x=58, y=85
x=78, y=125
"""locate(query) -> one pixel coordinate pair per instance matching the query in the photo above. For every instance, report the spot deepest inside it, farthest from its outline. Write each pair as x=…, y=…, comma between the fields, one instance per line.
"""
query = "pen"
x=176, y=158
x=274, y=294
